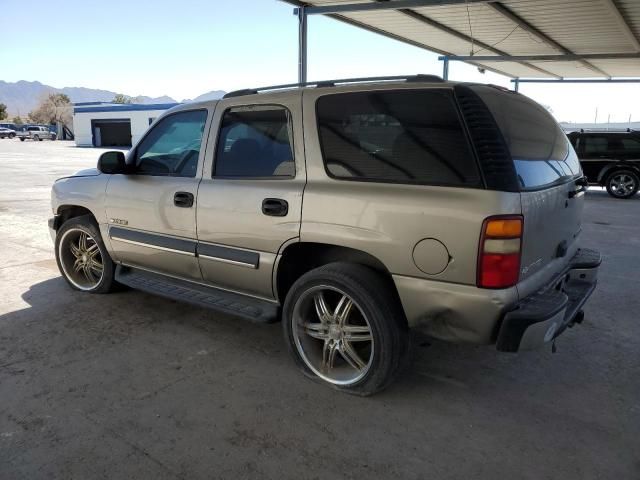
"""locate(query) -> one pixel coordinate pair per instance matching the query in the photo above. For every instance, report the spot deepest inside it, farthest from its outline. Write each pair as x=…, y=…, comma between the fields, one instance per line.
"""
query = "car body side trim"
x=159, y=242
x=233, y=256
x=141, y=244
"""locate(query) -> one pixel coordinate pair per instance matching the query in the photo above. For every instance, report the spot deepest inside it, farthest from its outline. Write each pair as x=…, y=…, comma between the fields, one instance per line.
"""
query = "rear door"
x=547, y=168
x=250, y=197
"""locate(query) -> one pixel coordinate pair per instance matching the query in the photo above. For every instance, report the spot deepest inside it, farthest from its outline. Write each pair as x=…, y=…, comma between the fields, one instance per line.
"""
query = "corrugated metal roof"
x=517, y=27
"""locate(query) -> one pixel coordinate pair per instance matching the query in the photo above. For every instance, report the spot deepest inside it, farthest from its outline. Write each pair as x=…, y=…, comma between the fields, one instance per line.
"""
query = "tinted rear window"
x=404, y=136
x=540, y=149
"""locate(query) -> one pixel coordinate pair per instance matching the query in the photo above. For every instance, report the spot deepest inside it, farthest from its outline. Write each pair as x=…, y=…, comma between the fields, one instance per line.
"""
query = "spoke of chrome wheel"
x=356, y=333
x=77, y=265
x=342, y=310
x=75, y=251
x=322, y=308
x=317, y=330
x=82, y=242
x=329, y=354
x=93, y=250
x=88, y=275
x=350, y=355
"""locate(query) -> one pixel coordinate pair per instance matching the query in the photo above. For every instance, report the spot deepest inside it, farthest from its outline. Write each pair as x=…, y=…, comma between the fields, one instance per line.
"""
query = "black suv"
x=610, y=159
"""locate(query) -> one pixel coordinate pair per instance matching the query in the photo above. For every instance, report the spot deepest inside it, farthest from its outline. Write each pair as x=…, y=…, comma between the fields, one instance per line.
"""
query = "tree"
x=53, y=108
x=3, y=111
x=120, y=98
x=17, y=120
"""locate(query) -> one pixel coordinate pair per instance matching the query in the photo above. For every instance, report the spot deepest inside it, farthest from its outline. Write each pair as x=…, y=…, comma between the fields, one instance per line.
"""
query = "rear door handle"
x=183, y=199
x=275, y=207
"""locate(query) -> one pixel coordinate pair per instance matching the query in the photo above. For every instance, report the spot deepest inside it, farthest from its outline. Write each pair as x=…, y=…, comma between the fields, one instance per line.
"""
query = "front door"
x=250, y=200
x=151, y=210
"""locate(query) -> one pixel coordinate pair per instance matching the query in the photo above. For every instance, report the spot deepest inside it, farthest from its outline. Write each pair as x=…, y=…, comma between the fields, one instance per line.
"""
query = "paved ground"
x=132, y=386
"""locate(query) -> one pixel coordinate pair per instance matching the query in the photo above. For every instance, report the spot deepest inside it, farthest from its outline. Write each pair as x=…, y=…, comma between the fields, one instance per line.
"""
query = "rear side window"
x=402, y=136
x=541, y=152
x=631, y=146
x=255, y=142
x=595, y=145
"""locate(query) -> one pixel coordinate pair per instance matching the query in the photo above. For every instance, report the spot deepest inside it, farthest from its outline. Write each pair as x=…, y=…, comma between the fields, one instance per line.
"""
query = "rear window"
x=404, y=136
x=541, y=152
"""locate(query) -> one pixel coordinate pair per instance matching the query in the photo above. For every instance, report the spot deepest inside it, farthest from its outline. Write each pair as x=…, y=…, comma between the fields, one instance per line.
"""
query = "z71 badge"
x=118, y=221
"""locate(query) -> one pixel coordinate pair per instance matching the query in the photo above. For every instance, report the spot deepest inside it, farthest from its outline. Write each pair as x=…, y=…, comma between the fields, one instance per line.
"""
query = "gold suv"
x=352, y=210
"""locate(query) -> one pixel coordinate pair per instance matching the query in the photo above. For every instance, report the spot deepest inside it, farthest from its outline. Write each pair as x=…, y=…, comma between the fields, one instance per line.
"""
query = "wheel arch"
x=66, y=212
x=606, y=171
x=298, y=258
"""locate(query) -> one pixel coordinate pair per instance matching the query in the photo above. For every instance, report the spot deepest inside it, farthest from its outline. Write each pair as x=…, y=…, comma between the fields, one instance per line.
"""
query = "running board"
x=213, y=298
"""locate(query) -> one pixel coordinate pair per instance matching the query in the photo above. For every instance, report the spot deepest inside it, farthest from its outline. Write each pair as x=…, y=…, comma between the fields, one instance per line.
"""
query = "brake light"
x=499, y=252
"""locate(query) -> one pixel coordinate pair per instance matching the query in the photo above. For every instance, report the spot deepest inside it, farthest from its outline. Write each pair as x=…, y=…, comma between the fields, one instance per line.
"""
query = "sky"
x=188, y=47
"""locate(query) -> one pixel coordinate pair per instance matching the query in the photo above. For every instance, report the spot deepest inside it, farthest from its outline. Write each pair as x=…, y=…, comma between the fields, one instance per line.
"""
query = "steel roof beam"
x=463, y=36
x=369, y=28
x=526, y=26
x=576, y=80
x=543, y=58
x=391, y=5
x=622, y=22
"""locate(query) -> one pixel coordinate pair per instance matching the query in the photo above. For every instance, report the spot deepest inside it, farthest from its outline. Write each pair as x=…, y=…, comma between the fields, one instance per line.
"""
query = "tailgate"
x=548, y=173
x=552, y=224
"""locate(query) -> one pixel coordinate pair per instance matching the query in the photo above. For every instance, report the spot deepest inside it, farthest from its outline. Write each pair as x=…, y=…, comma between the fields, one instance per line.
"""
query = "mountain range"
x=21, y=97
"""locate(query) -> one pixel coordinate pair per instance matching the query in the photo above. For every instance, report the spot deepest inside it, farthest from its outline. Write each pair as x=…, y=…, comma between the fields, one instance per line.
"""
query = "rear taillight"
x=499, y=252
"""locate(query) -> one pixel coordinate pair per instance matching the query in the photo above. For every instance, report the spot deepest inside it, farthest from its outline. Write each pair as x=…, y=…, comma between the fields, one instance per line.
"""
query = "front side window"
x=402, y=136
x=255, y=142
x=172, y=146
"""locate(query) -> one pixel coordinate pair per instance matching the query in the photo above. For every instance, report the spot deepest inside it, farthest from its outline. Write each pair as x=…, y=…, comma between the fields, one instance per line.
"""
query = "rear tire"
x=345, y=328
x=36, y=138
x=12, y=135
x=22, y=139
x=83, y=259
x=622, y=183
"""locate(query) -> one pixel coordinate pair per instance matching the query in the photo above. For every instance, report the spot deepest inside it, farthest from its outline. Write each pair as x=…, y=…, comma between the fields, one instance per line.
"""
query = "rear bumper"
x=542, y=316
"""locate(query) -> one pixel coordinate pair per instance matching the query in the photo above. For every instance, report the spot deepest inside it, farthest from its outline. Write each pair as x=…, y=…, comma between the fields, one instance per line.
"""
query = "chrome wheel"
x=622, y=184
x=332, y=335
x=81, y=259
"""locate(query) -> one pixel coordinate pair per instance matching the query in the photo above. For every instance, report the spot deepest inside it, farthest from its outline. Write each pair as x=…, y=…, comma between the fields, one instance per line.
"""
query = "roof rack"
x=332, y=83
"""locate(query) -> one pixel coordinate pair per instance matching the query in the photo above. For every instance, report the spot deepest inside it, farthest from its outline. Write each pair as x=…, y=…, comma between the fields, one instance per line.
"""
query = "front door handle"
x=183, y=199
x=275, y=207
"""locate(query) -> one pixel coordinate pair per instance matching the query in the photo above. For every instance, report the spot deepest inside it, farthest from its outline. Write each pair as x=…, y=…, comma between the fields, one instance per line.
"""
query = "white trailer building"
x=100, y=124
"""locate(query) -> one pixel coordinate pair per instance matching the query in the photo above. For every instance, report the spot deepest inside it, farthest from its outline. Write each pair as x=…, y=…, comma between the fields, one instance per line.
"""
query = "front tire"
x=83, y=259
x=345, y=328
x=622, y=184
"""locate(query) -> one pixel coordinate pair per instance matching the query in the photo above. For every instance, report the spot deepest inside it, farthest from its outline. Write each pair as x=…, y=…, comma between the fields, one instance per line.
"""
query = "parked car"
x=610, y=159
x=36, y=133
x=7, y=133
x=10, y=126
x=352, y=212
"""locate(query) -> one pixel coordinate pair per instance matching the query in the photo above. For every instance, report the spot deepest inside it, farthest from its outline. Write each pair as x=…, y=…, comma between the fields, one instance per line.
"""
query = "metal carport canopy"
x=523, y=39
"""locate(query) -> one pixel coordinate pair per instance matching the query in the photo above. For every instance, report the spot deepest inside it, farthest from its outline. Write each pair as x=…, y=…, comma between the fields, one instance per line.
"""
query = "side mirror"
x=112, y=162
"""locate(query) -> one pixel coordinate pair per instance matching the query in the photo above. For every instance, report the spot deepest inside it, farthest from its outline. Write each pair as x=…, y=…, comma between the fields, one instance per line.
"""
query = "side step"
x=208, y=297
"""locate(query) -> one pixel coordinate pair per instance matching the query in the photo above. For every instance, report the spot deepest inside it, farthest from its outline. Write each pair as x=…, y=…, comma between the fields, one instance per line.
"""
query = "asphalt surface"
x=132, y=386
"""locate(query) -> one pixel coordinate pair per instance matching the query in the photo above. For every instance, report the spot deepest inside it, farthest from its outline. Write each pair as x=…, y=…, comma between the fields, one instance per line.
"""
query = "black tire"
x=375, y=297
x=12, y=135
x=631, y=186
x=22, y=139
x=88, y=225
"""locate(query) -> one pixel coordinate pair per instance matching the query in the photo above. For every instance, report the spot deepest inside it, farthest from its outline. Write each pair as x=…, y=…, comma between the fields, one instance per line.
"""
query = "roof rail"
x=332, y=83
x=604, y=130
